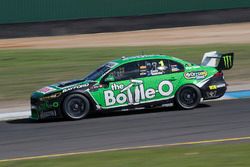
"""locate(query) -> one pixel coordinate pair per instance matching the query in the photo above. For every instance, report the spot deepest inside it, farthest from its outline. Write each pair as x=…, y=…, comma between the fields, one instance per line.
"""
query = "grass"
x=212, y=155
x=25, y=70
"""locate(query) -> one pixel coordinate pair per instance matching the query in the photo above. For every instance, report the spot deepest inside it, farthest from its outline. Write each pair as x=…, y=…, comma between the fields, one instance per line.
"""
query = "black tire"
x=188, y=97
x=76, y=106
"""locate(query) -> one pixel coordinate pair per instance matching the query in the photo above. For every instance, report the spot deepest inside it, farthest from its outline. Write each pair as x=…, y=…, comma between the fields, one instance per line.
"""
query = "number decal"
x=161, y=63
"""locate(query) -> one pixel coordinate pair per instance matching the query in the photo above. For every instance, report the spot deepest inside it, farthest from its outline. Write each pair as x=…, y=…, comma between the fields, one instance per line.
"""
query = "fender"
x=83, y=92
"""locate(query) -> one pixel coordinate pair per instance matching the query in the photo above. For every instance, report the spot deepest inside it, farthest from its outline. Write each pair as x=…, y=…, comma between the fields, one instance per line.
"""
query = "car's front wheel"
x=188, y=97
x=76, y=106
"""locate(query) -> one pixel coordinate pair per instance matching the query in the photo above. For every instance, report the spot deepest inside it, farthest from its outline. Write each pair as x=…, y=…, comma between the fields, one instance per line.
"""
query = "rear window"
x=175, y=66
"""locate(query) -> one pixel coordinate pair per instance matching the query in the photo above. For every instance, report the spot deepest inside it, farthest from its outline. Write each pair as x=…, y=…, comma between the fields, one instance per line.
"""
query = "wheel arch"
x=188, y=84
x=84, y=93
x=182, y=87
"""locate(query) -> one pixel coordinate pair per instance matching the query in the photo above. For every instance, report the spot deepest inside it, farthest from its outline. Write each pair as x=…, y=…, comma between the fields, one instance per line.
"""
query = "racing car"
x=132, y=83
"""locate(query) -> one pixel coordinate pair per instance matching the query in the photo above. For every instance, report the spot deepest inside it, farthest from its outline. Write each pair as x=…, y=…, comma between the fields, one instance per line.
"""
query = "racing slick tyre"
x=188, y=97
x=76, y=106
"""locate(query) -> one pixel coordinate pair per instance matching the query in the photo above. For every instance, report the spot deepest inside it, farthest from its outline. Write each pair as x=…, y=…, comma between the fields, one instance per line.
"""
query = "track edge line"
x=129, y=148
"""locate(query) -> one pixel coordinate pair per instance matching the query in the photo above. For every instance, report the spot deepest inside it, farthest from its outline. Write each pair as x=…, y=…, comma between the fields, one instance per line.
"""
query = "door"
x=159, y=80
x=118, y=88
x=139, y=82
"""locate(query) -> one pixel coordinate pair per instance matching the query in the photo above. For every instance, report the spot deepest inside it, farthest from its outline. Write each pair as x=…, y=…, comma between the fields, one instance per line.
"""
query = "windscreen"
x=100, y=71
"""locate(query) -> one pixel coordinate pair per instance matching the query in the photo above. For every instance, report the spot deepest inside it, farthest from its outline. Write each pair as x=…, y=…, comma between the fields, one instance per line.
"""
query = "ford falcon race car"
x=132, y=83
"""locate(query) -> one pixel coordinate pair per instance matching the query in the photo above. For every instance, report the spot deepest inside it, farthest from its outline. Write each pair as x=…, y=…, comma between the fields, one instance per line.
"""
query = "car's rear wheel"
x=188, y=97
x=76, y=106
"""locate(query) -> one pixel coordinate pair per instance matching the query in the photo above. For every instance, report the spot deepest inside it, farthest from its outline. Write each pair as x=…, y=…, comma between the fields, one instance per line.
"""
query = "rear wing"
x=218, y=60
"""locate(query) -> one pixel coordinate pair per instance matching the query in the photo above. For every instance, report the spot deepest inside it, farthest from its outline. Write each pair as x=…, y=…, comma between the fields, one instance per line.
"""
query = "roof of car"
x=125, y=60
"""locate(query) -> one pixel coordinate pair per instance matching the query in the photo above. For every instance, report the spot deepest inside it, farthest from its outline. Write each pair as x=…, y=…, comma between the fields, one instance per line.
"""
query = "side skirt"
x=151, y=105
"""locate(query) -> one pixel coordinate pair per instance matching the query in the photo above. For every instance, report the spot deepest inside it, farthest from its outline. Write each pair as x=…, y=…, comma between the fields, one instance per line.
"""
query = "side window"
x=175, y=66
x=153, y=67
x=126, y=71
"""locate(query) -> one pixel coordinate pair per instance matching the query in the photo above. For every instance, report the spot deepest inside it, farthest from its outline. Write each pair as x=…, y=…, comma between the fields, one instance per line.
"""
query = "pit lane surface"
x=212, y=120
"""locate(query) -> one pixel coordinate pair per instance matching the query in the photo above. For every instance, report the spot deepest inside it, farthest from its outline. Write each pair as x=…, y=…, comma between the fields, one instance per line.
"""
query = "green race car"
x=132, y=83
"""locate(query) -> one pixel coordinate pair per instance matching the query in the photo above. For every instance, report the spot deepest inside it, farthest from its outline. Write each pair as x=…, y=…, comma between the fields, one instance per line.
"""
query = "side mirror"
x=110, y=78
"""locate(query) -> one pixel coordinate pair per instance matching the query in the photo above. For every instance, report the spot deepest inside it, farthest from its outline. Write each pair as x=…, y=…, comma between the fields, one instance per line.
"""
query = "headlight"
x=51, y=96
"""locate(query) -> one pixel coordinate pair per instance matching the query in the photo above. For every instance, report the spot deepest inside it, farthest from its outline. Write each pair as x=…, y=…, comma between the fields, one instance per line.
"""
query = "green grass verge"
x=215, y=155
x=25, y=70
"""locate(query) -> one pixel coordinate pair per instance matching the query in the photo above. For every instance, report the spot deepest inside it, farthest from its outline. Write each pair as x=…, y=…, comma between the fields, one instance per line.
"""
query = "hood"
x=63, y=87
x=67, y=83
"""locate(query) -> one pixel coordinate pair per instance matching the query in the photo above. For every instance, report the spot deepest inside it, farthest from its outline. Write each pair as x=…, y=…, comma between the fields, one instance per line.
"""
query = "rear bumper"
x=214, y=88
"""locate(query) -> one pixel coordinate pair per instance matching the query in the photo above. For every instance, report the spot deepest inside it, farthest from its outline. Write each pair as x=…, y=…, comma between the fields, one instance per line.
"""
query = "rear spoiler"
x=218, y=60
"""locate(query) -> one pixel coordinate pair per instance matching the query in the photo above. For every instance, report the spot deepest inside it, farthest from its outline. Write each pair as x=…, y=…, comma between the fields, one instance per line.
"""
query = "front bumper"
x=44, y=109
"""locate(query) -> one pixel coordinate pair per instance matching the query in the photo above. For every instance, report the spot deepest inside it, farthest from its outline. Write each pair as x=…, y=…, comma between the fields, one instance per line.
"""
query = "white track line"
x=6, y=116
x=130, y=148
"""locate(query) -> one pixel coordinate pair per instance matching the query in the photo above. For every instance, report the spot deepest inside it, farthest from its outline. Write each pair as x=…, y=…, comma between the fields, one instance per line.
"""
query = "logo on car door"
x=139, y=93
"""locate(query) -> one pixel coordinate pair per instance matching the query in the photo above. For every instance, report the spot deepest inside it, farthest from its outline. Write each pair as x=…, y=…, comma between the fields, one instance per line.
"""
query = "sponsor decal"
x=46, y=106
x=221, y=85
x=143, y=67
x=165, y=88
x=174, y=68
x=211, y=93
x=75, y=87
x=143, y=70
x=95, y=87
x=134, y=57
x=48, y=114
x=46, y=90
x=189, y=67
x=50, y=97
x=195, y=75
x=156, y=72
x=168, y=105
x=228, y=61
x=212, y=87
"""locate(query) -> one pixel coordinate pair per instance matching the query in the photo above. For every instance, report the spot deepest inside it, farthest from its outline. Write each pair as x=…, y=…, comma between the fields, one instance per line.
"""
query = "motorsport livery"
x=132, y=83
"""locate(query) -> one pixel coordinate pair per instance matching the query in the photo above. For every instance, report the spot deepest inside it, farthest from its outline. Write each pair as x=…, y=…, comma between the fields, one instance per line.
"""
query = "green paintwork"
x=152, y=82
x=113, y=94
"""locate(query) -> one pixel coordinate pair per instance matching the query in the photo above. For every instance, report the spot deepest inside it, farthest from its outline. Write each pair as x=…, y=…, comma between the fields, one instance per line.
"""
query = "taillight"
x=218, y=74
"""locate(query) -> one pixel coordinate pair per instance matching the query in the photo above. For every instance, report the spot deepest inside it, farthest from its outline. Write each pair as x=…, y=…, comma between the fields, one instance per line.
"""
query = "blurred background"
x=46, y=41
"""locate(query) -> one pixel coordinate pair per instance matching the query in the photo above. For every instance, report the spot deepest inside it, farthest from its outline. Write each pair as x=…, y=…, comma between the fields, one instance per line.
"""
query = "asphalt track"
x=212, y=120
